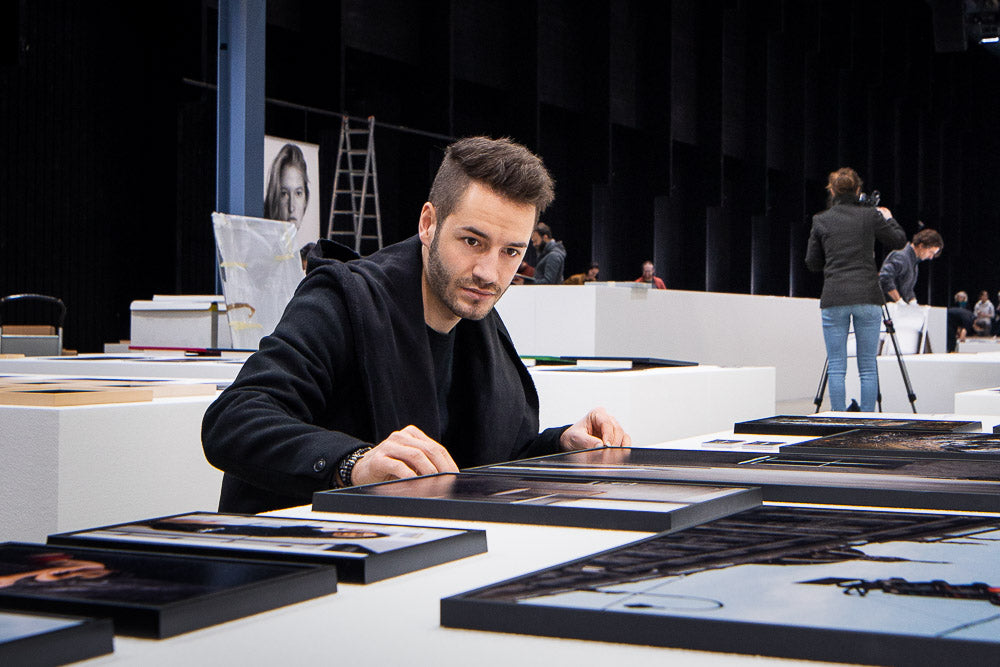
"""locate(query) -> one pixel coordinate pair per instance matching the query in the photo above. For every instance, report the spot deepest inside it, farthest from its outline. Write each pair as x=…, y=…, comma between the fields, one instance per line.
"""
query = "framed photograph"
x=881, y=481
x=148, y=594
x=611, y=505
x=909, y=444
x=43, y=640
x=362, y=552
x=817, y=425
x=792, y=582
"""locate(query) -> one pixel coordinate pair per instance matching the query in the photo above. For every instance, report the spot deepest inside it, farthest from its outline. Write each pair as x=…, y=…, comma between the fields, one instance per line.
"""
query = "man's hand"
x=407, y=452
x=596, y=429
x=886, y=213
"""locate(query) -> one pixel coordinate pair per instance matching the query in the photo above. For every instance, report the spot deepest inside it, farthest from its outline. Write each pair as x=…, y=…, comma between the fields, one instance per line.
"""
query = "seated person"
x=581, y=278
x=648, y=276
x=398, y=364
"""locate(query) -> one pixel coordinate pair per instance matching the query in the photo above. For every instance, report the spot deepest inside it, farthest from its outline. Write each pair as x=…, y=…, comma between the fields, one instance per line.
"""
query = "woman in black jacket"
x=842, y=246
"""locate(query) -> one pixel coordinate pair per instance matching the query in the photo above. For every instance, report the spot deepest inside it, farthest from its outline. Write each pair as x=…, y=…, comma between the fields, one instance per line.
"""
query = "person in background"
x=983, y=312
x=581, y=278
x=842, y=245
x=648, y=276
x=898, y=275
x=962, y=300
x=551, y=256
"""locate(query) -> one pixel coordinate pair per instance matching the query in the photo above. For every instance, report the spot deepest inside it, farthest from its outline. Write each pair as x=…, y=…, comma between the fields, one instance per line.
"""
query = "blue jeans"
x=836, y=323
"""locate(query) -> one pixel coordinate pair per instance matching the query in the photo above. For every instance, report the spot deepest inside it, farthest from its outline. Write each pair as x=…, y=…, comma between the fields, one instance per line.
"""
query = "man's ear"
x=427, y=226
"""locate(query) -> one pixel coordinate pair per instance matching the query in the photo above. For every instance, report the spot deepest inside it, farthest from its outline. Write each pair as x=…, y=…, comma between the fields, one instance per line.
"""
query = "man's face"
x=537, y=241
x=293, y=194
x=471, y=257
x=647, y=272
x=924, y=252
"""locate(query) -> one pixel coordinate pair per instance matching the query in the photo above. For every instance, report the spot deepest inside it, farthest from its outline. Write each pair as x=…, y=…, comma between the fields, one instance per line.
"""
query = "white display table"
x=396, y=621
x=657, y=404
x=979, y=401
x=705, y=327
x=935, y=379
x=69, y=468
x=131, y=365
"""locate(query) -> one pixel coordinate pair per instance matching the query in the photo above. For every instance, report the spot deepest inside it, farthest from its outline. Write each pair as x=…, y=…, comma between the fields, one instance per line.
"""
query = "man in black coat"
x=397, y=365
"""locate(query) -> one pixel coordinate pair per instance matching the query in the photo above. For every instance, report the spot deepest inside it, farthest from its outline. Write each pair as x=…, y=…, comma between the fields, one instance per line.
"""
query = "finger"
x=435, y=452
x=413, y=456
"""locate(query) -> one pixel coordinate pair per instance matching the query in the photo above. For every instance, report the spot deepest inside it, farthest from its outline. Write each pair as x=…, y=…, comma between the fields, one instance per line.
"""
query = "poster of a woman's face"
x=291, y=179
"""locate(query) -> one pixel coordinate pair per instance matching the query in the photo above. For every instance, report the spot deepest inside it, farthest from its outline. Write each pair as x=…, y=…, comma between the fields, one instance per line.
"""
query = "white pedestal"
x=78, y=467
x=657, y=404
x=935, y=379
x=131, y=365
x=706, y=327
x=979, y=401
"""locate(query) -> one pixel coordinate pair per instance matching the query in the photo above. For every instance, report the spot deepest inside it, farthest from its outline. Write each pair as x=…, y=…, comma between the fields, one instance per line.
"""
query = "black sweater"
x=350, y=363
x=842, y=246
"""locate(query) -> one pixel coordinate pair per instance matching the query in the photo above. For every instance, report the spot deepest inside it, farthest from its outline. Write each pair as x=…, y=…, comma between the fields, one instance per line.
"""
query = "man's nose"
x=487, y=269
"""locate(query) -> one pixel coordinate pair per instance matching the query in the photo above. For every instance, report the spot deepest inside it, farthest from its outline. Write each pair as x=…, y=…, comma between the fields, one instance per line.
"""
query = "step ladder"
x=354, y=207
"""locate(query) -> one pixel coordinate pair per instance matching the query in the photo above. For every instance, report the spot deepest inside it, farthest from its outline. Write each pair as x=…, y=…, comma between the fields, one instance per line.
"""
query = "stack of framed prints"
x=844, y=479
x=521, y=498
x=43, y=640
x=818, y=584
x=151, y=594
x=362, y=552
x=822, y=425
x=908, y=444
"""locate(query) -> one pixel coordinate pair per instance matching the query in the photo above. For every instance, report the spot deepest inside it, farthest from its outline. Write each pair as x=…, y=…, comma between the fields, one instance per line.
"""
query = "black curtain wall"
x=696, y=133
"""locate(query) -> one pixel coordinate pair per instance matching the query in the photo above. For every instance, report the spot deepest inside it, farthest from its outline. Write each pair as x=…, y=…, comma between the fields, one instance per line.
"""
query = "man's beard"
x=445, y=286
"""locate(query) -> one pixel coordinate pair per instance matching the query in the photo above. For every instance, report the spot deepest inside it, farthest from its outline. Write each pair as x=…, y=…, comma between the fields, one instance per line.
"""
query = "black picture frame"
x=881, y=481
x=777, y=589
x=152, y=594
x=829, y=425
x=367, y=553
x=908, y=444
x=611, y=505
x=44, y=640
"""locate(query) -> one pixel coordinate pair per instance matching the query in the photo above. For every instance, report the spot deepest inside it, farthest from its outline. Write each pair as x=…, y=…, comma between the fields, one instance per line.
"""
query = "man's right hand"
x=407, y=452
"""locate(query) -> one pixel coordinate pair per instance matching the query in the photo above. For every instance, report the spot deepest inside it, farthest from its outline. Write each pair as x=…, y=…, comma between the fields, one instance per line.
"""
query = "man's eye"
x=513, y=252
x=470, y=241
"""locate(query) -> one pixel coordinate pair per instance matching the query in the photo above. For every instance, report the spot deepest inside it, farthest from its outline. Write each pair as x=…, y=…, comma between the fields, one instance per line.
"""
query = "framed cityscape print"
x=883, y=588
x=148, y=594
x=612, y=505
x=362, y=552
x=881, y=481
x=823, y=425
x=908, y=444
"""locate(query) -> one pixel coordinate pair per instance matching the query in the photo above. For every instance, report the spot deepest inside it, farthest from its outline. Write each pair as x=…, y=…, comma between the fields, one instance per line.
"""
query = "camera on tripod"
x=870, y=200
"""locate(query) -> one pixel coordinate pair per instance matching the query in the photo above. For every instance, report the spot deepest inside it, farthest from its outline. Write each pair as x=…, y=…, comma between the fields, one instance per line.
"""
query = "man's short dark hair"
x=506, y=167
x=928, y=238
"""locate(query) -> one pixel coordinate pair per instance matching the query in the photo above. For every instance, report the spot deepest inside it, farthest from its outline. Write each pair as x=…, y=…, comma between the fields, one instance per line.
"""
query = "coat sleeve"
x=815, y=257
x=889, y=233
x=889, y=274
x=266, y=428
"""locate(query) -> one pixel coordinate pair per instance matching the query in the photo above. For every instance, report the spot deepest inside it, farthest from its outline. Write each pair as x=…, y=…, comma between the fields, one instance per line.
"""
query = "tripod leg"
x=891, y=330
x=818, y=401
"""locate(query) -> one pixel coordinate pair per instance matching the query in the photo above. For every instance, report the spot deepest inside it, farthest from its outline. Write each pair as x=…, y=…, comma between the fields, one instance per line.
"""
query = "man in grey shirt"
x=898, y=275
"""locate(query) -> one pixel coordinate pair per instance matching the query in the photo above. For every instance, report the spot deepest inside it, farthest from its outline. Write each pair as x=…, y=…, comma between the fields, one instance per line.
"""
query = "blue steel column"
x=239, y=184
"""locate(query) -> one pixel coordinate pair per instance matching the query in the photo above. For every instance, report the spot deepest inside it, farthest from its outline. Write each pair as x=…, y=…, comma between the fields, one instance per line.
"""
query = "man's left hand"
x=596, y=429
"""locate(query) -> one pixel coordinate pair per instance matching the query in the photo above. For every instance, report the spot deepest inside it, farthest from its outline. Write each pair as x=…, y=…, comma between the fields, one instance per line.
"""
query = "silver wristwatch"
x=347, y=465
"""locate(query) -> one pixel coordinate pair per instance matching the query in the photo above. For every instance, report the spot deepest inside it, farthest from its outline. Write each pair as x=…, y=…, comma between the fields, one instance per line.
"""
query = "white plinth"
x=133, y=365
x=935, y=379
x=979, y=401
x=657, y=404
x=706, y=327
x=78, y=467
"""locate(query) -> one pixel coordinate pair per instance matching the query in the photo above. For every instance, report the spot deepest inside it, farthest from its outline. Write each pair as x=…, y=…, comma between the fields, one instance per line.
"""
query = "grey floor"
x=798, y=406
